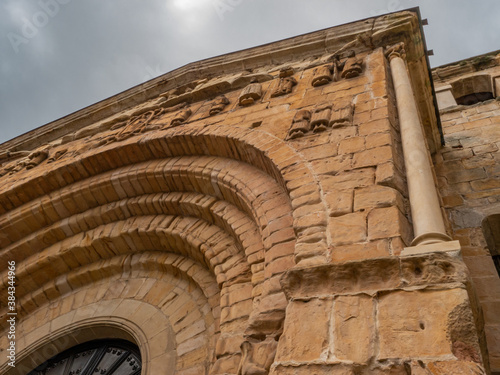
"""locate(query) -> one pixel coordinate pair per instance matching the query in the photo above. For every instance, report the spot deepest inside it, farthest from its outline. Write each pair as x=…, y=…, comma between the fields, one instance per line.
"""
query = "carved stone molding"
x=342, y=116
x=251, y=93
x=181, y=117
x=320, y=118
x=374, y=275
x=218, y=105
x=257, y=356
x=396, y=50
x=352, y=66
x=300, y=124
x=323, y=75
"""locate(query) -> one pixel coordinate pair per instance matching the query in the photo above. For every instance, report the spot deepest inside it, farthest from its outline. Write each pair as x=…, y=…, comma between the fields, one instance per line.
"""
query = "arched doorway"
x=110, y=357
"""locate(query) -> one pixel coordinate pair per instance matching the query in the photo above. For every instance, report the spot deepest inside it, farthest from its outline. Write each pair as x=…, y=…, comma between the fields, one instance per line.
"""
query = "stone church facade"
x=325, y=204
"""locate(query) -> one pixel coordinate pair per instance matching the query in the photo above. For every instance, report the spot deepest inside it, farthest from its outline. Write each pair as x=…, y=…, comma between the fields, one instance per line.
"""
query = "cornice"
x=363, y=35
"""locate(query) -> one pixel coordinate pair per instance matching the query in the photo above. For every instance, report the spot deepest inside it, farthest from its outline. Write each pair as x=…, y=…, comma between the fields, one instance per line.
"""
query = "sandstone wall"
x=267, y=230
x=468, y=175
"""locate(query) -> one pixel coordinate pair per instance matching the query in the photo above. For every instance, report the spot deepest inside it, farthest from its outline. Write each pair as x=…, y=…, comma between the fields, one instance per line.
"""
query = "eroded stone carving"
x=257, y=356
x=300, y=124
x=218, y=105
x=396, y=50
x=342, y=116
x=251, y=93
x=134, y=125
x=181, y=117
x=323, y=75
x=352, y=66
x=320, y=118
x=285, y=84
x=56, y=155
x=36, y=158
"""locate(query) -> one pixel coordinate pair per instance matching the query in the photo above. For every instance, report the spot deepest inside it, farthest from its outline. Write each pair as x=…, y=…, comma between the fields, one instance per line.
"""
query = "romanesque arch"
x=205, y=219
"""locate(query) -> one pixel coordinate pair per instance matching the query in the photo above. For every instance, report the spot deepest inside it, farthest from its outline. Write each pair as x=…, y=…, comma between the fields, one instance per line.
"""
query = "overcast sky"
x=58, y=56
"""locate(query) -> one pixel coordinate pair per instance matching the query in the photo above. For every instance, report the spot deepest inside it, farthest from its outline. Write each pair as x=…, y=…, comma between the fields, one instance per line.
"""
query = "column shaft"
x=428, y=224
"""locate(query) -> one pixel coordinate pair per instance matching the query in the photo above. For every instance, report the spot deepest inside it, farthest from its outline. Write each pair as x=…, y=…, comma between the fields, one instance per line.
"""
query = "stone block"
x=455, y=368
x=388, y=222
x=347, y=229
x=415, y=324
x=377, y=197
x=388, y=175
x=373, y=157
x=349, y=180
x=339, y=202
x=354, y=333
x=309, y=320
x=352, y=145
x=367, y=250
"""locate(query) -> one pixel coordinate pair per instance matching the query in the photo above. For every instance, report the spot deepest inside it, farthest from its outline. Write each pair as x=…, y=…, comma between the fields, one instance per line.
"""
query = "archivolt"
x=227, y=209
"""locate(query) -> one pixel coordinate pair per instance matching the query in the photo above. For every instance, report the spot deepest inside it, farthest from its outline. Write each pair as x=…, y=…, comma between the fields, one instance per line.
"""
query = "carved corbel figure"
x=57, y=155
x=353, y=66
x=300, y=124
x=323, y=75
x=286, y=83
x=320, y=118
x=181, y=117
x=7, y=169
x=36, y=158
x=285, y=86
x=342, y=116
x=257, y=356
x=251, y=93
x=218, y=105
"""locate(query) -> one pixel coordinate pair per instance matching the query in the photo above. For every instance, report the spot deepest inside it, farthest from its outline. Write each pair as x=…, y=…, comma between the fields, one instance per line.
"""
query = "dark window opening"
x=110, y=357
x=474, y=98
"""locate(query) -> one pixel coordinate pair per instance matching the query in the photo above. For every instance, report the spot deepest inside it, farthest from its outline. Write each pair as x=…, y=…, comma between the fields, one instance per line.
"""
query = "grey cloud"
x=89, y=50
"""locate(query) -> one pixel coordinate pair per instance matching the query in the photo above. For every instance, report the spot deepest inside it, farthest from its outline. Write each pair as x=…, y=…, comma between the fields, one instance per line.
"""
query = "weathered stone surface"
x=257, y=356
x=377, y=197
x=332, y=279
x=178, y=207
x=310, y=321
x=433, y=269
x=415, y=324
x=455, y=367
x=354, y=318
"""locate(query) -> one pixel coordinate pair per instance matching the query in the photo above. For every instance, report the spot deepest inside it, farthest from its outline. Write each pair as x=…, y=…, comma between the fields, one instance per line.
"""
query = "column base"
x=430, y=238
x=436, y=247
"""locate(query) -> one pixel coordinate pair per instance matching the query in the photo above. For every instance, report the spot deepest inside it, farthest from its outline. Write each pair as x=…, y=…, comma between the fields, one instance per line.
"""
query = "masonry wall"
x=262, y=232
x=469, y=178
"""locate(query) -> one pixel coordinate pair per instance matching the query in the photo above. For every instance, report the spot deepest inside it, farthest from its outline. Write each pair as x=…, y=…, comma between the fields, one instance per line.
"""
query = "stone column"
x=428, y=224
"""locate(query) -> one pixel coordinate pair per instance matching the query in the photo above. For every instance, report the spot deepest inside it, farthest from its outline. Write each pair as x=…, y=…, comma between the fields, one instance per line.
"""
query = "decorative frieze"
x=342, y=116
x=218, y=105
x=181, y=117
x=300, y=124
x=322, y=117
x=352, y=66
x=323, y=75
x=285, y=84
x=251, y=93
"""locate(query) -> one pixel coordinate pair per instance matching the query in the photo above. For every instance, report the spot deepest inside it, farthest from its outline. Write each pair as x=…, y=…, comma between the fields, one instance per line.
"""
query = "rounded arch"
x=46, y=344
x=244, y=187
x=162, y=311
x=107, y=356
x=261, y=150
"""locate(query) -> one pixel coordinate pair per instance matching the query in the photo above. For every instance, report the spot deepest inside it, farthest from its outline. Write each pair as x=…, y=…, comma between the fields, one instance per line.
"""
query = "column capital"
x=396, y=50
